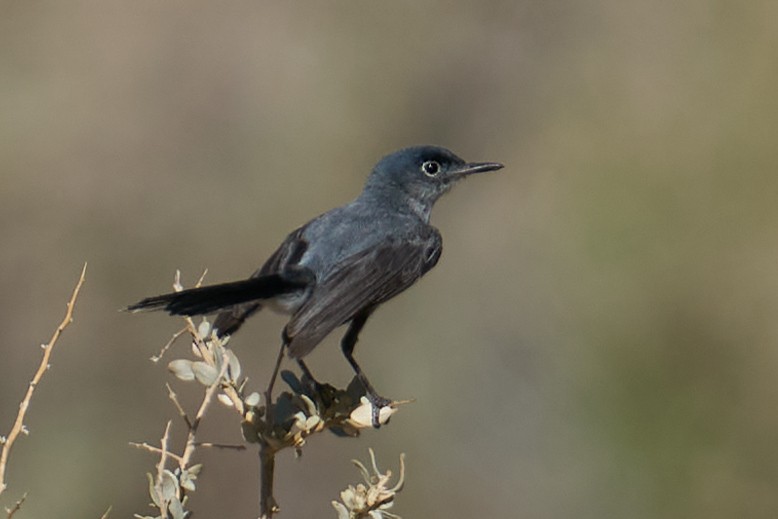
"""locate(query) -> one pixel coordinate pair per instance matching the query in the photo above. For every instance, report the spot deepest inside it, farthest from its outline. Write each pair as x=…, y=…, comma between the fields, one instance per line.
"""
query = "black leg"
x=269, y=391
x=273, y=378
x=347, y=345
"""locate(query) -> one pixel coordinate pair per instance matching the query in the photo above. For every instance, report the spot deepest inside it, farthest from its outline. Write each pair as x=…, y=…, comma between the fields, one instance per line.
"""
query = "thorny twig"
x=17, y=506
x=18, y=426
x=191, y=445
x=374, y=497
x=161, y=469
x=285, y=422
x=156, y=450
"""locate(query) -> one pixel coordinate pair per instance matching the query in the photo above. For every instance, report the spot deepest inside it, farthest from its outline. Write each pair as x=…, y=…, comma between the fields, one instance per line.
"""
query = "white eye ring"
x=430, y=168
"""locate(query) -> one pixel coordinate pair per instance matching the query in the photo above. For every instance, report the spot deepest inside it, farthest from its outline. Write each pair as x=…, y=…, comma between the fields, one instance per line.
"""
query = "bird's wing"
x=361, y=281
x=287, y=255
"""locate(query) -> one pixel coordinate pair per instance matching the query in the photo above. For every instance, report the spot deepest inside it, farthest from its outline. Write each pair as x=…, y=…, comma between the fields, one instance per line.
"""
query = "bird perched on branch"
x=339, y=267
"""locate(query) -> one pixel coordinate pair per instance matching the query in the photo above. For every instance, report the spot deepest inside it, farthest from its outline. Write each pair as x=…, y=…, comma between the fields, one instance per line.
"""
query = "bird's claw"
x=378, y=403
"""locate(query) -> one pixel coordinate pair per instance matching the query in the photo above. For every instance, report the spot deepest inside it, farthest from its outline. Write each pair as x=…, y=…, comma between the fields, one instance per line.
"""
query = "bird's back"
x=350, y=230
x=340, y=247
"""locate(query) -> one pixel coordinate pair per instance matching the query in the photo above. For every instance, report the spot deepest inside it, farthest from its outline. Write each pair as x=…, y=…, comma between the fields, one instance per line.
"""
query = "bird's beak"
x=478, y=167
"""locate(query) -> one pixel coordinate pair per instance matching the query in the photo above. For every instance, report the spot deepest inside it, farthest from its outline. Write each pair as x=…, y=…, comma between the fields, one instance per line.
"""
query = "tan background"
x=599, y=339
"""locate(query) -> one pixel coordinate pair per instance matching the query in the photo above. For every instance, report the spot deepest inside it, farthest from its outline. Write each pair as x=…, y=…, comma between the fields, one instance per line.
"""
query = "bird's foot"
x=378, y=403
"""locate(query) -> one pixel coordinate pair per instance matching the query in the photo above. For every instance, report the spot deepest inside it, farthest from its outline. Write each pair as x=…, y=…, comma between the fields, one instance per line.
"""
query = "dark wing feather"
x=287, y=254
x=361, y=281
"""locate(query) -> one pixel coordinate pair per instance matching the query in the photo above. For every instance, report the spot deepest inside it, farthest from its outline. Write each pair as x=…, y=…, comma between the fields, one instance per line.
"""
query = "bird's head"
x=421, y=174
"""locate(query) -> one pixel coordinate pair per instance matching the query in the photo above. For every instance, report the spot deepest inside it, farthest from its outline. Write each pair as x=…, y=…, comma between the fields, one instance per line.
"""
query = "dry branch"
x=18, y=426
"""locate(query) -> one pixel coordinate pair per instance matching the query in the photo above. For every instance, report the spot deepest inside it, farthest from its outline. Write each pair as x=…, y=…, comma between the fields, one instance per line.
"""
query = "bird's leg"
x=347, y=345
x=269, y=391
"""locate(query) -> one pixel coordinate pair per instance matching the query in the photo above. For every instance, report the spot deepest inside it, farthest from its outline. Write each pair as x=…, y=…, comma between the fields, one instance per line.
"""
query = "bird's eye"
x=430, y=168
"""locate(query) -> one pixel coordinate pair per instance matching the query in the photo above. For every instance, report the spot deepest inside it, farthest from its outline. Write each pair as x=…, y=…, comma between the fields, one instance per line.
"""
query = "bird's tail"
x=208, y=299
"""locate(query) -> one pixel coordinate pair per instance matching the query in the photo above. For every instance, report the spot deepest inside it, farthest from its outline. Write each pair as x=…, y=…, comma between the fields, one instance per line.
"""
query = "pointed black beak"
x=478, y=167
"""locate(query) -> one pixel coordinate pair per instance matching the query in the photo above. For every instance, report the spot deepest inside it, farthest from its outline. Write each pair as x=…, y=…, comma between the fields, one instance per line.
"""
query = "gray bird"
x=339, y=267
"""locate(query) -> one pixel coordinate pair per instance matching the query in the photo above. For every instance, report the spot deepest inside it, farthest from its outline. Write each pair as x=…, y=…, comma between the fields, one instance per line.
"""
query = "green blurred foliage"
x=599, y=338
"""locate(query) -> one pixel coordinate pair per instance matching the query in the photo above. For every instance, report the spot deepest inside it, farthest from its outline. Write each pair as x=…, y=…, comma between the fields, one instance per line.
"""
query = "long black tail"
x=205, y=300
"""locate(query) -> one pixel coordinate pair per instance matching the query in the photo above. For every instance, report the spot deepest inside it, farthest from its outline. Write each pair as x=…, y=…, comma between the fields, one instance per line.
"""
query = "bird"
x=338, y=268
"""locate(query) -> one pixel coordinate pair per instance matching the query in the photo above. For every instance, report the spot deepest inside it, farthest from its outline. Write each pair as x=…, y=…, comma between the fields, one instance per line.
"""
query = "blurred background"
x=598, y=340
